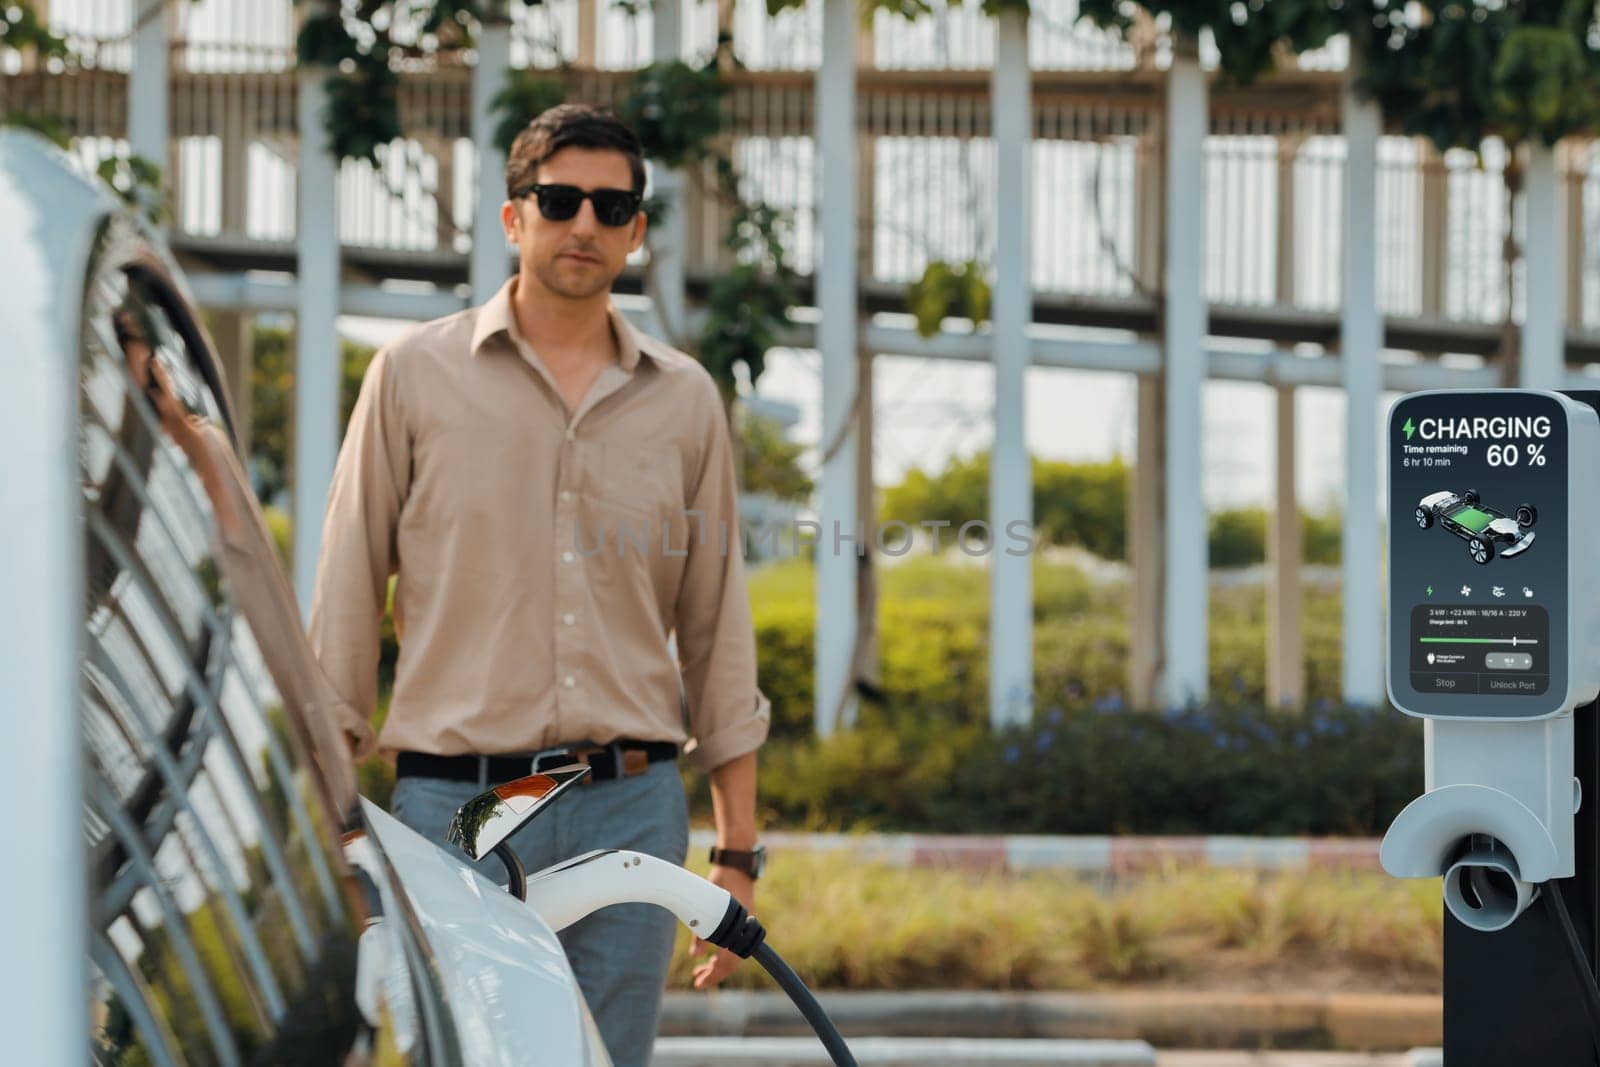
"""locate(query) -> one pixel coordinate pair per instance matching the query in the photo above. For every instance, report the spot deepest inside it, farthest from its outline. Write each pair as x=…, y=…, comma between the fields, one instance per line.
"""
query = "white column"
x=588, y=32
x=1184, y=333
x=1147, y=543
x=670, y=235
x=1285, y=655
x=1572, y=178
x=1360, y=345
x=1010, y=477
x=1285, y=666
x=1147, y=480
x=490, y=263
x=316, y=377
x=1544, y=315
x=233, y=332
x=148, y=80
x=1434, y=226
x=836, y=340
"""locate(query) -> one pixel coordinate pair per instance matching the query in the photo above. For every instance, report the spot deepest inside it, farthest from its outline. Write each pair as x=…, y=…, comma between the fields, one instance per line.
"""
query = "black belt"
x=617, y=760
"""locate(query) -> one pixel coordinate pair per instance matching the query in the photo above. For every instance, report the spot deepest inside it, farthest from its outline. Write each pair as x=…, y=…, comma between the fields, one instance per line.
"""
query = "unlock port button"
x=1508, y=661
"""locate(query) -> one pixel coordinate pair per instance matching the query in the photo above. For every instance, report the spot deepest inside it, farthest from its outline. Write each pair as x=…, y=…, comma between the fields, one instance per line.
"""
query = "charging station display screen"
x=1478, y=521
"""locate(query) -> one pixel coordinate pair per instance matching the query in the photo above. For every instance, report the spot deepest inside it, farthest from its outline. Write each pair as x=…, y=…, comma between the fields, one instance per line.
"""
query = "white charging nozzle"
x=567, y=892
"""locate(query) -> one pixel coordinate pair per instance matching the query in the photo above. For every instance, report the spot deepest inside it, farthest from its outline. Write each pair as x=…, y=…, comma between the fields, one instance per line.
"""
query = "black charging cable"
x=1556, y=905
x=743, y=935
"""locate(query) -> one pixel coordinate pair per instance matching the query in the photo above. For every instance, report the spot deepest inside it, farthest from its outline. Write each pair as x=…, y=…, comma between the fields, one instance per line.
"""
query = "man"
x=489, y=454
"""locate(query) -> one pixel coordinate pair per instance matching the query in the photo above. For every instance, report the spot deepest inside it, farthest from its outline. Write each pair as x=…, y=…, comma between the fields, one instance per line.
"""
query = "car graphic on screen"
x=1486, y=530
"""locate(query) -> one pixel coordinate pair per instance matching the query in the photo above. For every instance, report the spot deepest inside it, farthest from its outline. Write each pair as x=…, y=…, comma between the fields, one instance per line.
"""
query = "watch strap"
x=750, y=862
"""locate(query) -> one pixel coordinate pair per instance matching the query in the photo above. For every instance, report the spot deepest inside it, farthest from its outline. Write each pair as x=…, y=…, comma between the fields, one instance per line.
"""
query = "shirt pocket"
x=640, y=508
x=645, y=480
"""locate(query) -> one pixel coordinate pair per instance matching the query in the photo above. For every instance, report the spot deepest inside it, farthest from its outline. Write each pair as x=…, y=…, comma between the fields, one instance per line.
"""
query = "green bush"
x=933, y=641
x=1237, y=537
x=1322, y=536
x=1100, y=768
x=923, y=758
x=1086, y=504
x=1073, y=503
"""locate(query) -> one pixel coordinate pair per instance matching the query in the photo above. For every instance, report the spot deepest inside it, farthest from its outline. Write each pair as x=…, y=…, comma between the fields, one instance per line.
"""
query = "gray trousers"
x=621, y=953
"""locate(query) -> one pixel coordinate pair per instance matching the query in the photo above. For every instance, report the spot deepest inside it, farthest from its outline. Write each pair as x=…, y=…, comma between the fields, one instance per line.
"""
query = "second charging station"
x=1494, y=641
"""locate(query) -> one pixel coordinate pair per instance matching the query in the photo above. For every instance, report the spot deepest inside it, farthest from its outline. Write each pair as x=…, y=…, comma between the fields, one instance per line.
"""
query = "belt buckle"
x=536, y=761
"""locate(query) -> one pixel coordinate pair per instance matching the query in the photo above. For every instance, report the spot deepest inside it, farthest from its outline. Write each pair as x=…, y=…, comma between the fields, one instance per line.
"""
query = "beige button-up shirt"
x=542, y=561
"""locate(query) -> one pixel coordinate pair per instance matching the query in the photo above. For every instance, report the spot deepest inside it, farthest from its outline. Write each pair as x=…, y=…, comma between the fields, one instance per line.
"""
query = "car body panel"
x=47, y=228
x=510, y=987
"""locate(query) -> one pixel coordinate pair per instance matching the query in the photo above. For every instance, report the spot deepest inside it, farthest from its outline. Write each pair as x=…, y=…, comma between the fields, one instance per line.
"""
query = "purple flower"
x=1111, y=702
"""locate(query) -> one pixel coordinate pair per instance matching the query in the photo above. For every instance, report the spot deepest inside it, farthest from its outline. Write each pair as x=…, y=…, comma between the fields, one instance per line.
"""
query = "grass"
x=843, y=924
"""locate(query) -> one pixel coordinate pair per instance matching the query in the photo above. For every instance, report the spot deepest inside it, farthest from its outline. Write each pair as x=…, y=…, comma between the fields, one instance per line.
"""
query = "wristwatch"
x=751, y=863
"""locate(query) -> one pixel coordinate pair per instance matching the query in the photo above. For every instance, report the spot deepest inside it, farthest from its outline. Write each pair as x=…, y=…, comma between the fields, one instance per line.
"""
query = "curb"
x=1088, y=854
x=1343, y=1021
x=900, y=1052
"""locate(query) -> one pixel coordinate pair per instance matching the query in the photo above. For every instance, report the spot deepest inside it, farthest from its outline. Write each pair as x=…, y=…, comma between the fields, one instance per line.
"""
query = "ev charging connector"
x=566, y=892
x=1494, y=636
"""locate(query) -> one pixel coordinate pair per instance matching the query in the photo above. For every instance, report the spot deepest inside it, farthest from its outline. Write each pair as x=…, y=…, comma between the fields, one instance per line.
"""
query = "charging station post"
x=1494, y=640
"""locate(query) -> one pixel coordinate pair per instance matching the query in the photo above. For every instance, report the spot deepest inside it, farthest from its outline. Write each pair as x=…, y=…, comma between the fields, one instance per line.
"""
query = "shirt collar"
x=495, y=316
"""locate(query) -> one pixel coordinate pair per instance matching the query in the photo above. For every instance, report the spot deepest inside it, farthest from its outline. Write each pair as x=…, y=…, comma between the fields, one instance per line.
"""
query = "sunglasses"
x=558, y=203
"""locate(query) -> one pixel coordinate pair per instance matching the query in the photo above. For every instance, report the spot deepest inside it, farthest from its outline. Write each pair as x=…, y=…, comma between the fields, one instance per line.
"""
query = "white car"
x=193, y=879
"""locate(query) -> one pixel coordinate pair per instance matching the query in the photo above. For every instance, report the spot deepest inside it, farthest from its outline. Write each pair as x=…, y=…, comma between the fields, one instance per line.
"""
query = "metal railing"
x=1274, y=159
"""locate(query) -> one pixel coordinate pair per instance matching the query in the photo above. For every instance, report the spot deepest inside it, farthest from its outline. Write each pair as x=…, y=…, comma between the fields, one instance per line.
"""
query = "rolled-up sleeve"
x=370, y=482
x=728, y=713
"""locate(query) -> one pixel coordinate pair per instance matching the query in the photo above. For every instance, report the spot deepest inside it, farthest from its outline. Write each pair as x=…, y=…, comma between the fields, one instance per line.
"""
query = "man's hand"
x=722, y=963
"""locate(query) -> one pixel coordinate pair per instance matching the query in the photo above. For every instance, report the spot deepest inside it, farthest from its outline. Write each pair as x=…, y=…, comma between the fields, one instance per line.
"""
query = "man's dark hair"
x=569, y=126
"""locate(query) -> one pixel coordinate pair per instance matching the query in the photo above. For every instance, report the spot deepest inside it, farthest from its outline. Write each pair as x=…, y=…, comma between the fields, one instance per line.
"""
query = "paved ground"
x=1280, y=1059
x=961, y=1052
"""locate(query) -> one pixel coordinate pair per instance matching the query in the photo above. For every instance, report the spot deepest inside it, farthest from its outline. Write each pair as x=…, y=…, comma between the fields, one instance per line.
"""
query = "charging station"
x=1494, y=641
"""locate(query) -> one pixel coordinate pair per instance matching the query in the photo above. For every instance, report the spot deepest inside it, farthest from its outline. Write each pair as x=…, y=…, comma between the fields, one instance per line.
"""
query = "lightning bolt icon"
x=1409, y=429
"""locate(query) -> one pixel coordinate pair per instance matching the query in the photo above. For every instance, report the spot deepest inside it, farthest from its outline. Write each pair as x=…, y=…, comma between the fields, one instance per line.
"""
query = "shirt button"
x=571, y=436
x=566, y=557
x=569, y=618
x=569, y=681
x=566, y=494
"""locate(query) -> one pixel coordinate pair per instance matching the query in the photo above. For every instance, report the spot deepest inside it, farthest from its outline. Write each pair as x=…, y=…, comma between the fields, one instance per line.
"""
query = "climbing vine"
x=1457, y=72
x=1454, y=71
x=948, y=290
x=364, y=44
x=675, y=108
x=1249, y=34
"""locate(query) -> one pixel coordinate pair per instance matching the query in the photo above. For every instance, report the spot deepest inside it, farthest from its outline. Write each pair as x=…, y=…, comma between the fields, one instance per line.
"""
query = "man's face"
x=579, y=257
